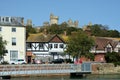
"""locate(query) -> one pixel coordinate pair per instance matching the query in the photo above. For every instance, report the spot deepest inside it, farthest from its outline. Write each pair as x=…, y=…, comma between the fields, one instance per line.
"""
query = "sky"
x=105, y=12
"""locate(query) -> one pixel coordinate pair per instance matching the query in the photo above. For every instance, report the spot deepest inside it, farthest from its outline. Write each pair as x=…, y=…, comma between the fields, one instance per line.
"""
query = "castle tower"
x=53, y=19
x=76, y=23
x=87, y=29
x=70, y=22
x=29, y=22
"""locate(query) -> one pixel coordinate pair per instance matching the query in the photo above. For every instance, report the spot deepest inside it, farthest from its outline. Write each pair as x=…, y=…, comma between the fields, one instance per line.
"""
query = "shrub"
x=4, y=62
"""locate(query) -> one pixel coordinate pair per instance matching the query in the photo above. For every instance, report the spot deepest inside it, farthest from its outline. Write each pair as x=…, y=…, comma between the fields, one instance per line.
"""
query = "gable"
x=56, y=39
x=108, y=45
x=118, y=45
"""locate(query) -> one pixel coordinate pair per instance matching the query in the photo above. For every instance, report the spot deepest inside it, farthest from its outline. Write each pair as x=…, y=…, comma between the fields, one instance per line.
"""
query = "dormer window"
x=3, y=19
x=7, y=19
x=11, y=20
x=108, y=49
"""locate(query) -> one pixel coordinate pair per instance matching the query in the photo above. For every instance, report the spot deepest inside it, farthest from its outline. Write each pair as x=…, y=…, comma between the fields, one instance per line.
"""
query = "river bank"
x=105, y=68
x=88, y=77
x=97, y=69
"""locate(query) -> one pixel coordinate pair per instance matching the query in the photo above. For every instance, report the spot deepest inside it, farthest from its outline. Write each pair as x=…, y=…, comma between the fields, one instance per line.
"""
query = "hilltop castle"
x=54, y=20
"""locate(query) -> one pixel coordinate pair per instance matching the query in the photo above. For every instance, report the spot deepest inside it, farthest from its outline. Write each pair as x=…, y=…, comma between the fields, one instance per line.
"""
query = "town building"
x=48, y=47
x=104, y=45
x=13, y=31
x=45, y=48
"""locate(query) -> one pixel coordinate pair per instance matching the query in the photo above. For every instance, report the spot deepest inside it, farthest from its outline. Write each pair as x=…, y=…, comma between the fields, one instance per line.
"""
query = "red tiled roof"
x=102, y=42
x=57, y=39
x=44, y=38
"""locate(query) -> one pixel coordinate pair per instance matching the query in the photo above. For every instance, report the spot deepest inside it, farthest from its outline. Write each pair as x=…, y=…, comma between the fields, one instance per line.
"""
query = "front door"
x=29, y=59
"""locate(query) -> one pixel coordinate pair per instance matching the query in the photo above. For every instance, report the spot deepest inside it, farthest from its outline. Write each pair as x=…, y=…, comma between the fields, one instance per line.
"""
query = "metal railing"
x=29, y=69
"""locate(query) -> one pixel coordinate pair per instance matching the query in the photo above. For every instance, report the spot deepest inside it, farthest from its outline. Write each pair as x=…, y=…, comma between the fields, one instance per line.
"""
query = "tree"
x=79, y=44
x=54, y=29
x=102, y=31
x=2, y=47
x=113, y=33
x=69, y=30
x=99, y=30
x=29, y=29
x=112, y=57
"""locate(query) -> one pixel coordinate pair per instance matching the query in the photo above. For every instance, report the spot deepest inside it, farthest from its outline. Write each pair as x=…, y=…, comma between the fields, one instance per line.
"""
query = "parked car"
x=38, y=62
x=18, y=61
x=57, y=61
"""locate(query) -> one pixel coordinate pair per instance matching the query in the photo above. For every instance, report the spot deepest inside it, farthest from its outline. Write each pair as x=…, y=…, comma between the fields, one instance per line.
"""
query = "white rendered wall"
x=7, y=35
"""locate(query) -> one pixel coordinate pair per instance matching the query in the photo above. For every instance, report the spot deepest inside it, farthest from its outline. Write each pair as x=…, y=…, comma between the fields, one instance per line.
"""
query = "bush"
x=68, y=60
x=116, y=63
x=4, y=62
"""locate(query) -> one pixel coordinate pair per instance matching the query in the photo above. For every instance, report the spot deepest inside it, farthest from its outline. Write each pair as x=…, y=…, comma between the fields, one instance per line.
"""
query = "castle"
x=54, y=20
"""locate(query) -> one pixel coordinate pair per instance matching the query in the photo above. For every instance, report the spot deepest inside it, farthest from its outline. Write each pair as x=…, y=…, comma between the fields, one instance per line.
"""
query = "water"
x=88, y=77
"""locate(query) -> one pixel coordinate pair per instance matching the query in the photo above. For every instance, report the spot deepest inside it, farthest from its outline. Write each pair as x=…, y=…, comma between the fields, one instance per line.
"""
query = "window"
x=61, y=46
x=40, y=45
x=108, y=49
x=7, y=19
x=13, y=41
x=13, y=29
x=119, y=50
x=50, y=46
x=11, y=20
x=3, y=19
x=0, y=28
x=13, y=55
x=29, y=45
x=55, y=45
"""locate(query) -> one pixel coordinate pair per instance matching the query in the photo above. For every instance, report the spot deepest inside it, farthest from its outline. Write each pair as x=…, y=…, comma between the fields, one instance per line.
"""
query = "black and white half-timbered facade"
x=45, y=50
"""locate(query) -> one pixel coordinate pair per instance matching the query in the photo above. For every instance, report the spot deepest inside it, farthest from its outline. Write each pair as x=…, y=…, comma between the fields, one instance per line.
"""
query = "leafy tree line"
x=29, y=29
x=59, y=29
x=103, y=31
x=96, y=30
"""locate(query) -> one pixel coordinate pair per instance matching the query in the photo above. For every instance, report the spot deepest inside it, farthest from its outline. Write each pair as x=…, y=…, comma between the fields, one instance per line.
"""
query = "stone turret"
x=53, y=19
x=72, y=24
x=29, y=22
x=87, y=28
x=76, y=23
